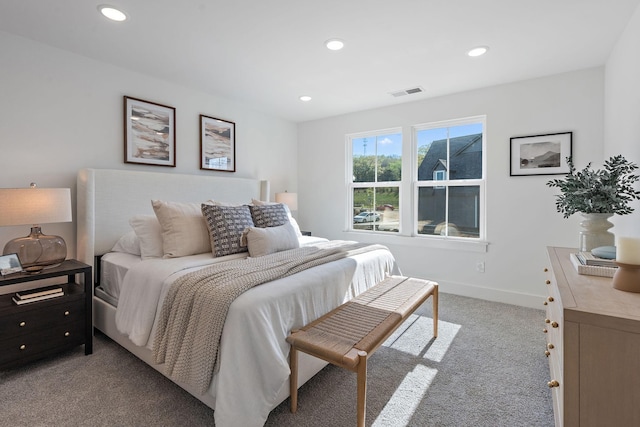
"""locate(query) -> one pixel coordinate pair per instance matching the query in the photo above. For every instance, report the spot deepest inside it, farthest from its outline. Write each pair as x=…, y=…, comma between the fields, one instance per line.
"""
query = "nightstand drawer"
x=41, y=316
x=26, y=347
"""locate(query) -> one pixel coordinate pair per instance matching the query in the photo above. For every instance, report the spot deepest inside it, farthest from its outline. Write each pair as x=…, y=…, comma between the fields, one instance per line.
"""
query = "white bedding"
x=114, y=267
x=254, y=369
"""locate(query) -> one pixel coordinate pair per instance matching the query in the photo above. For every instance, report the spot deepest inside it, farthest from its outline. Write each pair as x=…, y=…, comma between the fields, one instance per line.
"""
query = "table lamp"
x=289, y=199
x=35, y=206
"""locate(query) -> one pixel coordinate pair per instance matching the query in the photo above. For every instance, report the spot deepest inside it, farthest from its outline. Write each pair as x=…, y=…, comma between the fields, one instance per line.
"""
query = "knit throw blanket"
x=195, y=308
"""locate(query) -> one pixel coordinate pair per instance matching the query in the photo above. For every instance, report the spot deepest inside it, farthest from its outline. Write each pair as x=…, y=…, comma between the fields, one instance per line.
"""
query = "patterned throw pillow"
x=226, y=224
x=269, y=215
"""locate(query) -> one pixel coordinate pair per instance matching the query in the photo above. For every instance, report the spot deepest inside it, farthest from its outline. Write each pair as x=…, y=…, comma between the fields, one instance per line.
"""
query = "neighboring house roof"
x=465, y=158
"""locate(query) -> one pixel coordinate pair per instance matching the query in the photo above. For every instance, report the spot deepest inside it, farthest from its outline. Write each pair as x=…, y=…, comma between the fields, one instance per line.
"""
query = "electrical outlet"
x=480, y=266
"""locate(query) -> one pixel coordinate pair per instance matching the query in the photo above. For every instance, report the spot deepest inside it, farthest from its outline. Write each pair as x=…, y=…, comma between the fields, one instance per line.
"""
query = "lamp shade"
x=289, y=199
x=23, y=206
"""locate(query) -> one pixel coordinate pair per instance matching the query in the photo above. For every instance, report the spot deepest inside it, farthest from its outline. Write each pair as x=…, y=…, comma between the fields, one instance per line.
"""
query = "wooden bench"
x=350, y=334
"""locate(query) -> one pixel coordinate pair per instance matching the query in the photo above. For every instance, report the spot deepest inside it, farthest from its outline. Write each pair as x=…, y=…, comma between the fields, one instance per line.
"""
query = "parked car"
x=385, y=207
x=366, y=217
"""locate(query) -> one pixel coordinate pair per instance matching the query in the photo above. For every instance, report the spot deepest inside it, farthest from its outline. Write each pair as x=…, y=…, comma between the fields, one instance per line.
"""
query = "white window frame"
x=446, y=183
x=351, y=185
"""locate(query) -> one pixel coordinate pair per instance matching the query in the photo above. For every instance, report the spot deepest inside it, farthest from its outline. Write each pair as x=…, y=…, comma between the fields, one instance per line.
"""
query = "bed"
x=253, y=371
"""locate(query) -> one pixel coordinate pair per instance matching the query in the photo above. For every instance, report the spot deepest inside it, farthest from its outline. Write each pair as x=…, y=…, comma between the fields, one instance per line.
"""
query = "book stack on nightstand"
x=39, y=294
x=43, y=319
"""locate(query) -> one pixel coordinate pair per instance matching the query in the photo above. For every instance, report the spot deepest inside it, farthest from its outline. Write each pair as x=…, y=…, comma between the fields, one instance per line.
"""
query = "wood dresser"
x=593, y=346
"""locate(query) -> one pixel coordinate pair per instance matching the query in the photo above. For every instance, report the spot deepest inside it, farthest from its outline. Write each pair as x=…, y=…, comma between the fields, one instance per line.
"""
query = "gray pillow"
x=226, y=224
x=269, y=215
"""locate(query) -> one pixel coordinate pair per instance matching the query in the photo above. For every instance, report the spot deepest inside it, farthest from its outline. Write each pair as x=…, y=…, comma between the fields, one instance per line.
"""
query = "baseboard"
x=491, y=294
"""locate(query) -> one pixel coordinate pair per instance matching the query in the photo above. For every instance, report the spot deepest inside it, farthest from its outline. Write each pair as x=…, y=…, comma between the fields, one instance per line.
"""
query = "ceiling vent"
x=410, y=91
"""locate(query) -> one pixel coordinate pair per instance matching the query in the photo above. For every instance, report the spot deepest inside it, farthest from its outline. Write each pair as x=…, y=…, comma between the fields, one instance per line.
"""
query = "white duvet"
x=254, y=370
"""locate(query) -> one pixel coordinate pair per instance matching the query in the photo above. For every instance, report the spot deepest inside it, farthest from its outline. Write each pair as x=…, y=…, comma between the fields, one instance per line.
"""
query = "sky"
x=391, y=144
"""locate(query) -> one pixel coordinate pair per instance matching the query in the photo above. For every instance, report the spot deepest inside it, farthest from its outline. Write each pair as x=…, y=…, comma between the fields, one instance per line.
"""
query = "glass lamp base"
x=37, y=251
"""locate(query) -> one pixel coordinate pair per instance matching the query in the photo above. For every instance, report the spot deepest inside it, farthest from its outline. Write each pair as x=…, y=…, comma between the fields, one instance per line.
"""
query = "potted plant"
x=597, y=195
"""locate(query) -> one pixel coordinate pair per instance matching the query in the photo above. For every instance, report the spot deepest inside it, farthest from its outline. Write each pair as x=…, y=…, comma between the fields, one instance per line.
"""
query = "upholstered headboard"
x=107, y=198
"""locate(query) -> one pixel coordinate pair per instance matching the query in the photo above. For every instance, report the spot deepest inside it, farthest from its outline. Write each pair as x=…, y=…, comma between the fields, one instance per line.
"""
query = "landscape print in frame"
x=149, y=133
x=217, y=144
x=541, y=154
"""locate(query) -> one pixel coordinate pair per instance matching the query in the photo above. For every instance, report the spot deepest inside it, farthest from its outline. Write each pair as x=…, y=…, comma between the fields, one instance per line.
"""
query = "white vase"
x=595, y=232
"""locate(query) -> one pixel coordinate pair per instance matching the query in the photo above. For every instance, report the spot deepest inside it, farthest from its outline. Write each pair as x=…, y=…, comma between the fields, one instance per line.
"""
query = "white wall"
x=521, y=215
x=622, y=110
x=61, y=112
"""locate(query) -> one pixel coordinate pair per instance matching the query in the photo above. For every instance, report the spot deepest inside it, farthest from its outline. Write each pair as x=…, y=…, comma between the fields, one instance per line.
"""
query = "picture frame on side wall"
x=149, y=133
x=217, y=144
x=541, y=154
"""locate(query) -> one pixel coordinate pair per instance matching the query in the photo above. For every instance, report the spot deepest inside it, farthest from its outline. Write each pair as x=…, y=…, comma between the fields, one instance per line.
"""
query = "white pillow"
x=129, y=244
x=292, y=220
x=184, y=230
x=149, y=232
x=265, y=241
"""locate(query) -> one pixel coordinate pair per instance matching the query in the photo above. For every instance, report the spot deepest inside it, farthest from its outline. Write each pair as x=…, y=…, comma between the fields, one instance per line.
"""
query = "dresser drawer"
x=41, y=315
x=40, y=343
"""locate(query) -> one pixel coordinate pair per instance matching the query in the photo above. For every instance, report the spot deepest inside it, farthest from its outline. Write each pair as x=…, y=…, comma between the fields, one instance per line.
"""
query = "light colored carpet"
x=486, y=368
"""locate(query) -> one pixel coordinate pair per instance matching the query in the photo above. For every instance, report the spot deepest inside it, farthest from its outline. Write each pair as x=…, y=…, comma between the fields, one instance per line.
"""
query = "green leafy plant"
x=597, y=191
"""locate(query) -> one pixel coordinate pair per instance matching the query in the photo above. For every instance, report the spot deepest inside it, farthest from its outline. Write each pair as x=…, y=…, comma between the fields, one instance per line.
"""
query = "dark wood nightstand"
x=43, y=328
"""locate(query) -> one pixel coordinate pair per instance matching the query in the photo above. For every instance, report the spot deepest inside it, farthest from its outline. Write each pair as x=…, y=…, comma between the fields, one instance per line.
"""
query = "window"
x=446, y=181
x=376, y=171
x=451, y=153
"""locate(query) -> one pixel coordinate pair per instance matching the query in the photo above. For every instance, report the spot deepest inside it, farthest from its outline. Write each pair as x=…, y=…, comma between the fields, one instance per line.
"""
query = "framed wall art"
x=149, y=133
x=217, y=144
x=10, y=264
x=540, y=154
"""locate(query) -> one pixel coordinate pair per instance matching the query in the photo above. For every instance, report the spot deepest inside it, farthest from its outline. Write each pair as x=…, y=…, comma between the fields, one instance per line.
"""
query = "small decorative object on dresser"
x=597, y=195
x=627, y=276
x=41, y=321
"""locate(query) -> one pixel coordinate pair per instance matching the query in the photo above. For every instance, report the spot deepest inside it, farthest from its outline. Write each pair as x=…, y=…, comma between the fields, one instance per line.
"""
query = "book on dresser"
x=587, y=258
x=33, y=295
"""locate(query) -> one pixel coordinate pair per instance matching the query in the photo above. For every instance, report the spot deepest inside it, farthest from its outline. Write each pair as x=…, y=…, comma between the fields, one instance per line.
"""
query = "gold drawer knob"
x=22, y=347
x=550, y=299
x=547, y=321
x=550, y=346
x=66, y=313
x=547, y=353
x=66, y=334
x=22, y=324
x=553, y=383
x=545, y=330
x=546, y=269
x=545, y=303
x=554, y=324
x=548, y=282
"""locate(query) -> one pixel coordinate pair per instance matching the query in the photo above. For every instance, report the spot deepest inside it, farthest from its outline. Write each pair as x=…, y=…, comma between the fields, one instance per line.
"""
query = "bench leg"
x=362, y=387
x=293, y=379
x=434, y=298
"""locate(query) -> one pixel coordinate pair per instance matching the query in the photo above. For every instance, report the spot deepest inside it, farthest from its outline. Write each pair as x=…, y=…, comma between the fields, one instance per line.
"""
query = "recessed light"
x=305, y=98
x=334, y=44
x=112, y=13
x=478, y=51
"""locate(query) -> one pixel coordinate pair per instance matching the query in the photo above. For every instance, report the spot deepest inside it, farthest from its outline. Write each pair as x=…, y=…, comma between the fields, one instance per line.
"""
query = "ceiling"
x=268, y=53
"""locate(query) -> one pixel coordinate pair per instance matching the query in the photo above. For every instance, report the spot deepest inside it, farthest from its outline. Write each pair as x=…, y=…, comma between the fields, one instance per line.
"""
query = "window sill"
x=418, y=241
